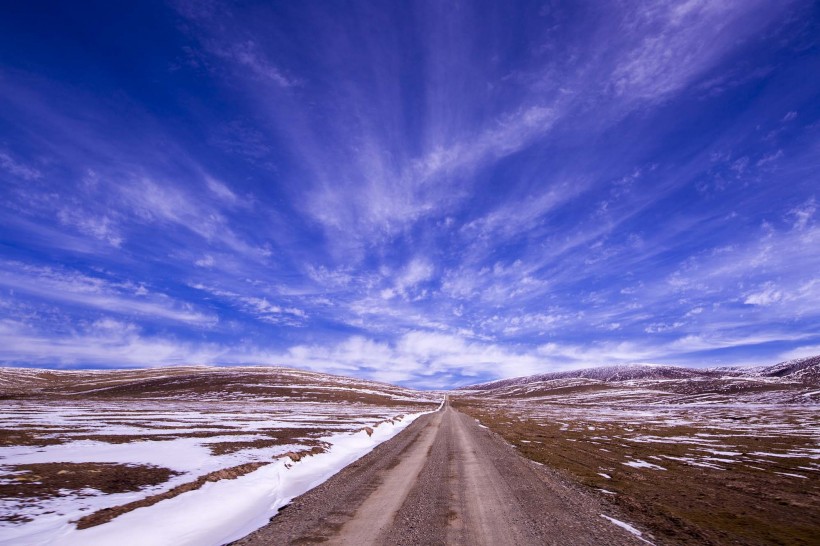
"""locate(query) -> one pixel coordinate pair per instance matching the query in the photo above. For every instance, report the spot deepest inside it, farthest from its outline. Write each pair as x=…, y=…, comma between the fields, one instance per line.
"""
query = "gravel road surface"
x=444, y=480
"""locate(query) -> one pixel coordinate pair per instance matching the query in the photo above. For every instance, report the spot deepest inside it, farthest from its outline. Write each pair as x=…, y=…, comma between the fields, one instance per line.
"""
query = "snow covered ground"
x=191, y=439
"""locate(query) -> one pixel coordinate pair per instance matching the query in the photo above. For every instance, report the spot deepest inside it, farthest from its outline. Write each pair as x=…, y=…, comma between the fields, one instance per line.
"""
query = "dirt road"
x=444, y=480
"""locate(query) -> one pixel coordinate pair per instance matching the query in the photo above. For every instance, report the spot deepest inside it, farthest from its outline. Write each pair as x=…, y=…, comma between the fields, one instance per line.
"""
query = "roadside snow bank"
x=226, y=510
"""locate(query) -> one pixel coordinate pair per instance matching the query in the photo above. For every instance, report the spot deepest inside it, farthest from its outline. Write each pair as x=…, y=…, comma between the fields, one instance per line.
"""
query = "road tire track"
x=444, y=480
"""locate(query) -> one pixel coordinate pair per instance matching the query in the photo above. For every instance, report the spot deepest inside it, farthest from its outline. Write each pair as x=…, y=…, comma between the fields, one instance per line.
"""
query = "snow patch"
x=639, y=463
x=792, y=475
x=626, y=526
x=218, y=512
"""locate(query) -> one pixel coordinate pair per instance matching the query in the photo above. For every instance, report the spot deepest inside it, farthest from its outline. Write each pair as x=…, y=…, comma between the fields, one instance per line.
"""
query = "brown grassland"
x=747, y=499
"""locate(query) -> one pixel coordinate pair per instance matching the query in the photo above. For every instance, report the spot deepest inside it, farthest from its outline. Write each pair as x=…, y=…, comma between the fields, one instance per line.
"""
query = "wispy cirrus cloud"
x=263, y=307
x=74, y=288
x=106, y=343
x=247, y=55
x=676, y=42
x=413, y=192
x=18, y=169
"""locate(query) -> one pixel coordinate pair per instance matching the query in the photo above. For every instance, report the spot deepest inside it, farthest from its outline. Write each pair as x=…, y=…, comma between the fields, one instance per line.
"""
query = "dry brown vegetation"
x=741, y=500
x=243, y=418
x=297, y=435
x=30, y=436
x=201, y=383
x=103, y=516
x=32, y=482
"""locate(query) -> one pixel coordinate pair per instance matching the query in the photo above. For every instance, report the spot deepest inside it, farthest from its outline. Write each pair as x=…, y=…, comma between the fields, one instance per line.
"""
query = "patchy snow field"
x=189, y=439
x=718, y=436
x=169, y=469
x=694, y=473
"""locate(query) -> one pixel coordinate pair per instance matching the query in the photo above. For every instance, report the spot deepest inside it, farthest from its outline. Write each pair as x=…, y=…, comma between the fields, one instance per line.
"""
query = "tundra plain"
x=661, y=454
x=82, y=449
x=725, y=456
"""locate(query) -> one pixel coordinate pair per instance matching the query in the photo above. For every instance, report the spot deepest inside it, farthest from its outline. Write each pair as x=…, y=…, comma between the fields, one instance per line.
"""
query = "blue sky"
x=431, y=193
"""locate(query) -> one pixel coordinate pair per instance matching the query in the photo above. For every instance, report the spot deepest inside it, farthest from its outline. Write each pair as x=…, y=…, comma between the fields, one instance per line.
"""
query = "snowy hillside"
x=794, y=381
x=201, y=383
x=603, y=373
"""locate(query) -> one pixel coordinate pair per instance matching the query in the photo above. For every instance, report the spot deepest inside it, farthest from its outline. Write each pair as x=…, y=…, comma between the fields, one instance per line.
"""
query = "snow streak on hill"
x=794, y=381
x=201, y=383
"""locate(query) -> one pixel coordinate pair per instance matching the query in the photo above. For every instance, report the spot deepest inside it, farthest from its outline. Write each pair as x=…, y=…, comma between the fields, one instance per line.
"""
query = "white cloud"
x=416, y=272
x=151, y=202
x=497, y=284
x=417, y=357
x=220, y=190
x=248, y=56
x=660, y=327
x=803, y=214
x=419, y=353
x=769, y=158
x=768, y=294
x=380, y=192
x=800, y=298
x=387, y=293
x=767, y=255
x=679, y=42
x=529, y=323
x=8, y=164
x=510, y=219
x=107, y=342
x=329, y=278
x=414, y=355
x=597, y=354
x=800, y=352
x=206, y=261
x=504, y=137
x=259, y=306
x=76, y=288
x=99, y=227
x=717, y=340
x=460, y=284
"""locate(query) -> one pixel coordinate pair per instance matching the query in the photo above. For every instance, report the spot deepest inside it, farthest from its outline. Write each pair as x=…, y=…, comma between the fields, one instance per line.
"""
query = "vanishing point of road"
x=443, y=480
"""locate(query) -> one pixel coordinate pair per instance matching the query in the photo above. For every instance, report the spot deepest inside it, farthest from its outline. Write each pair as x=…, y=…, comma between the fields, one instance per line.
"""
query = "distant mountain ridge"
x=198, y=383
x=792, y=381
x=805, y=370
